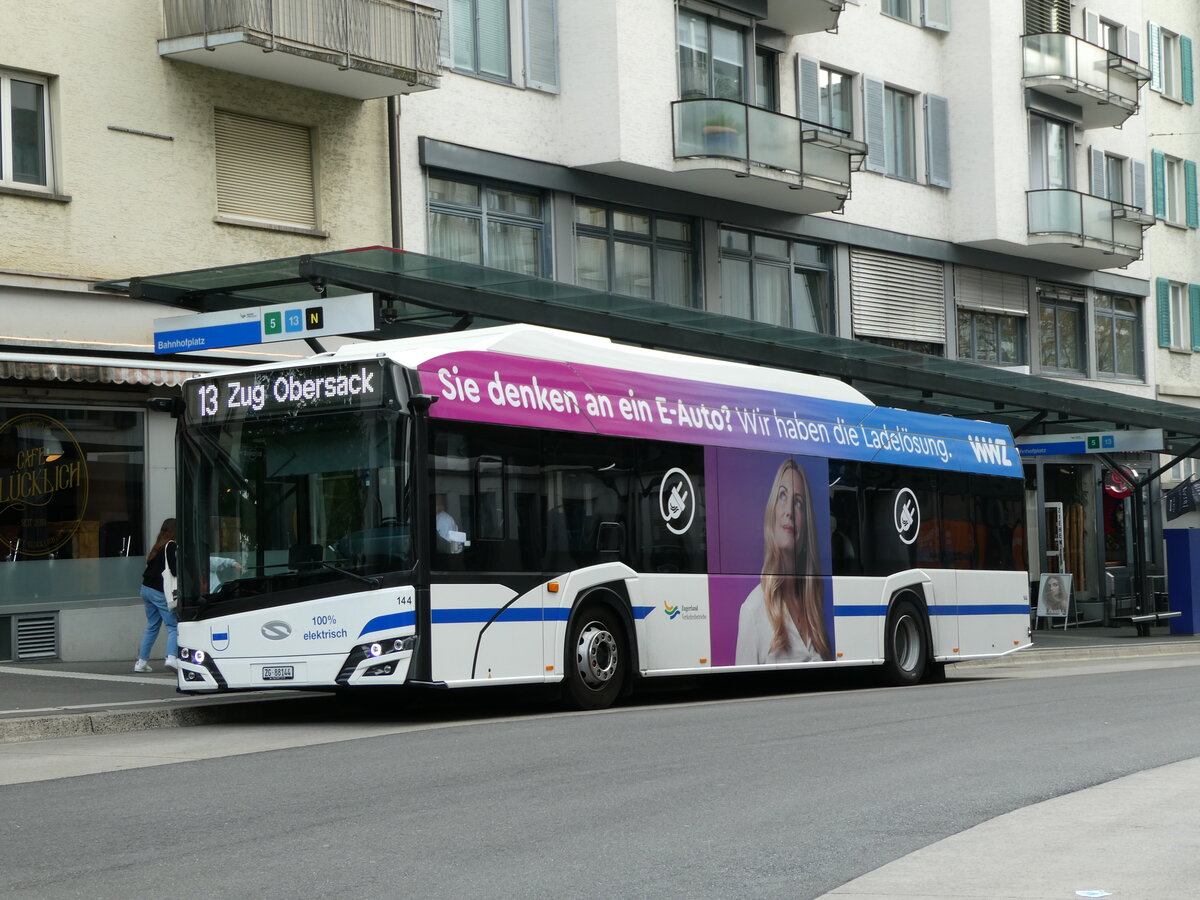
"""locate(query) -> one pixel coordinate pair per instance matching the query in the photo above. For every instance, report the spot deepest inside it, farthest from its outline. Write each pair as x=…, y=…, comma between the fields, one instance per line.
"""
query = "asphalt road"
x=717, y=792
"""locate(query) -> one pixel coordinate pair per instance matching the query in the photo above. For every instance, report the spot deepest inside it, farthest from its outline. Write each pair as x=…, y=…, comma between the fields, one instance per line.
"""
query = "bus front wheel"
x=906, y=649
x=596, y=658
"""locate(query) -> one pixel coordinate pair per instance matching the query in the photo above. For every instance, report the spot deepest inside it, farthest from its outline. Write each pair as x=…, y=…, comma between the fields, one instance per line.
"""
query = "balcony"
x=803, y=16
x=1103, y=84
x=728, y=149
x=353, y=48
x=1080, y=230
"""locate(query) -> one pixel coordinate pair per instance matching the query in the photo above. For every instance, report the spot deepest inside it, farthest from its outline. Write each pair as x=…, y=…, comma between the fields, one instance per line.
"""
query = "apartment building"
x=1005, y=183
x=134, y=142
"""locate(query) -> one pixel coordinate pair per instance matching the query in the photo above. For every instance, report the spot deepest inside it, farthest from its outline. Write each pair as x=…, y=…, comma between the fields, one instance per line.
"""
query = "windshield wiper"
x=373, y=580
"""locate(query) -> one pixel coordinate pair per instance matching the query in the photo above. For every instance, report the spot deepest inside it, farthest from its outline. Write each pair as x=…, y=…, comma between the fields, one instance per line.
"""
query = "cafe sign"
x=43, y=485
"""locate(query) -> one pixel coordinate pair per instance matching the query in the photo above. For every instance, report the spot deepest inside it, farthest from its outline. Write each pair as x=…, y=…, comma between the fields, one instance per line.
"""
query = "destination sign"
x=282, y=392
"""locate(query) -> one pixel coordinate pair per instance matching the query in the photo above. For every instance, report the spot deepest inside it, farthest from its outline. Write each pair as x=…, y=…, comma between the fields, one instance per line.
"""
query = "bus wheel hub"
x=596, y=655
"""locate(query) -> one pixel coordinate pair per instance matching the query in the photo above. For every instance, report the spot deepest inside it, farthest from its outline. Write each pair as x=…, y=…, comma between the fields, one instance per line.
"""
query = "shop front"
x=82, y=476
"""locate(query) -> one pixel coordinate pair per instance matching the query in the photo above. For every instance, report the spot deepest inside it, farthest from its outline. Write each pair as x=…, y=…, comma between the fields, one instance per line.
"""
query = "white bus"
x=519, y=505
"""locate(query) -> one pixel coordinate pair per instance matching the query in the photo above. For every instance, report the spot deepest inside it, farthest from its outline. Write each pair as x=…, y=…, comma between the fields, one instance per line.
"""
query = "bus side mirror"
x=610, y=537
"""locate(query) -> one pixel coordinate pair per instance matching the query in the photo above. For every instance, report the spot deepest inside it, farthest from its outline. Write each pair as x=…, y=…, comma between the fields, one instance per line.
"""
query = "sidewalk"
x=40, y=700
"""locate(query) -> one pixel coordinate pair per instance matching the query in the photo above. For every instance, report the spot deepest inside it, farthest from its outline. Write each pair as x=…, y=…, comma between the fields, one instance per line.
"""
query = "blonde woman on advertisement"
x=162, y=555
x=783, y=619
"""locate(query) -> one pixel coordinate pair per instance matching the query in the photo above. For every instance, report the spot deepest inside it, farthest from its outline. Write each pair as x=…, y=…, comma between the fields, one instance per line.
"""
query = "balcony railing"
x=1105, y=84
x=767, y=143
x=393, y=42
x=1086, y=222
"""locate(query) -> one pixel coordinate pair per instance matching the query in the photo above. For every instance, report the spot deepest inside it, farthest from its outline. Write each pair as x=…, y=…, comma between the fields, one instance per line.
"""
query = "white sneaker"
x=172, y=662
x=142, y=666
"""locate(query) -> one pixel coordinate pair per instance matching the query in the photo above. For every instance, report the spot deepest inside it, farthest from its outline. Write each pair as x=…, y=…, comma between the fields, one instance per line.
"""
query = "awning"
x=420, y=294
x=98, y=370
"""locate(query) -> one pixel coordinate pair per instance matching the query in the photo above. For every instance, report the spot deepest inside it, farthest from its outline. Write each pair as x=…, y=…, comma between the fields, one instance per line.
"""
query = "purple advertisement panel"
x=499, y=388
x=770, y=594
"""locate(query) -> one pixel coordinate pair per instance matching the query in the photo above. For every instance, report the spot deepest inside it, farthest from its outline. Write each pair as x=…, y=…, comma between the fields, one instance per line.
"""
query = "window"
x=1171, y=64
x=824, y=94
x=479, y=37
x=80, y=473
x=635, y=252
x=1061, y=327
x=265, y=172
x=1118, y=336
x=899, y=9
x=991, y=337
x=933, y=13
x=890, y=130
x=835, y=99
x=712, y=58
x=24, y=131
x=773, y=280
x=487, y=224
x=1049, y=154
x=992, y=310
x=1178, y=315
x=1114, y=178
x=900, y=135
x=766, y=79
x=1175, y=195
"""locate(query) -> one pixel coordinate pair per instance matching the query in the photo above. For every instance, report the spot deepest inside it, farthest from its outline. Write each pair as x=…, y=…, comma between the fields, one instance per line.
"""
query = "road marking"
x=89, y=676
x=22, y=710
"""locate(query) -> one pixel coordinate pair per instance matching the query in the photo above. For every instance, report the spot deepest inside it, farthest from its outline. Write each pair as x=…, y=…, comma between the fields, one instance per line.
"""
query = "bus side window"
x=844, y=525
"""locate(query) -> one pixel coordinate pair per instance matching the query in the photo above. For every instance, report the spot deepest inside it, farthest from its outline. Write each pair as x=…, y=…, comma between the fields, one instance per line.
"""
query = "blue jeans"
x=157, y=614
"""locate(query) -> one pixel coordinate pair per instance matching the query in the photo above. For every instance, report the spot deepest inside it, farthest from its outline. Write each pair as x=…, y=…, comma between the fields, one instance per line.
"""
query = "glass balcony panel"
x=774, y=140
x=1097, y=218
x=1092, y=64
x=1049, y=54
x=710, y=128
x=1055, y=212
x=827, y=163
x=1127, y=233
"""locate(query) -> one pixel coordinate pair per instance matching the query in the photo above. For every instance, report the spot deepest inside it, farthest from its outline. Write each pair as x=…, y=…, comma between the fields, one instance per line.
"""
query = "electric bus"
x=522, y=505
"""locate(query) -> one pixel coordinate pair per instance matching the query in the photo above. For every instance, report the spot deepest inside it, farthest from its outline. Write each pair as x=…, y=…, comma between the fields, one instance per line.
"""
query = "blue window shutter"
x=1154, y=52
x=1194, y=309
x=541, y=45
x=873, y=123
x=808, y=89
x=937, y=140
x=1163, y=289
x=1189, y=182
x=1158, y=175
x=1185, y=68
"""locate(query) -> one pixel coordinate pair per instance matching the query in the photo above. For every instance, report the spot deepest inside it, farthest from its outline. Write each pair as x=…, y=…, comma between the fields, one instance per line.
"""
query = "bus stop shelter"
x=417, y=294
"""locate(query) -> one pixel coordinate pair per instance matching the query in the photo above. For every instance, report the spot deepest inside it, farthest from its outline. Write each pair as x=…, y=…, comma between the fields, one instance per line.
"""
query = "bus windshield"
x=285, y=509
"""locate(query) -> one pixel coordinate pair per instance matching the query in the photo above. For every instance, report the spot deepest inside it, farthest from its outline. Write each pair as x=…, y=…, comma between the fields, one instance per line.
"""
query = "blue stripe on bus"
x=463, y=616
x=988, y=609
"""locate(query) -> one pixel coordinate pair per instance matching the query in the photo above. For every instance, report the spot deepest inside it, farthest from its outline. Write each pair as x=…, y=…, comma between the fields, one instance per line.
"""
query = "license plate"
x=278, y=673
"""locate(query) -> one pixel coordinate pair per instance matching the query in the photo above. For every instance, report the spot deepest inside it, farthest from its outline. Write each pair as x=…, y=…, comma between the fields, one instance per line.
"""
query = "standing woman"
x=163, y=554
x=783, y=619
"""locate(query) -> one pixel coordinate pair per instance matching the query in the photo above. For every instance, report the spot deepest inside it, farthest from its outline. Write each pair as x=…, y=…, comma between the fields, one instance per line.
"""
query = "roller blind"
x=264, y=170
x=897, y=297
x=997, y=292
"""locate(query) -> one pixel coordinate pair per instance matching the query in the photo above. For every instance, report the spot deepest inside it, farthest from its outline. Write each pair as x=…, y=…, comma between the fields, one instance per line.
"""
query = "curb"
x=64, y=725
x=1079, y=654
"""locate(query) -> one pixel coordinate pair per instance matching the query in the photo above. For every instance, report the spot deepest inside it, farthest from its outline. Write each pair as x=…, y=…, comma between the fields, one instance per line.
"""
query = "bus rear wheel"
x=597, y=658
x=906, y=647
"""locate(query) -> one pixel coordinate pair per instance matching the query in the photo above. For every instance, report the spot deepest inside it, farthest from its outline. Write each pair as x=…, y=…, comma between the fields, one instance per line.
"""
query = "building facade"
x=1008, y=183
